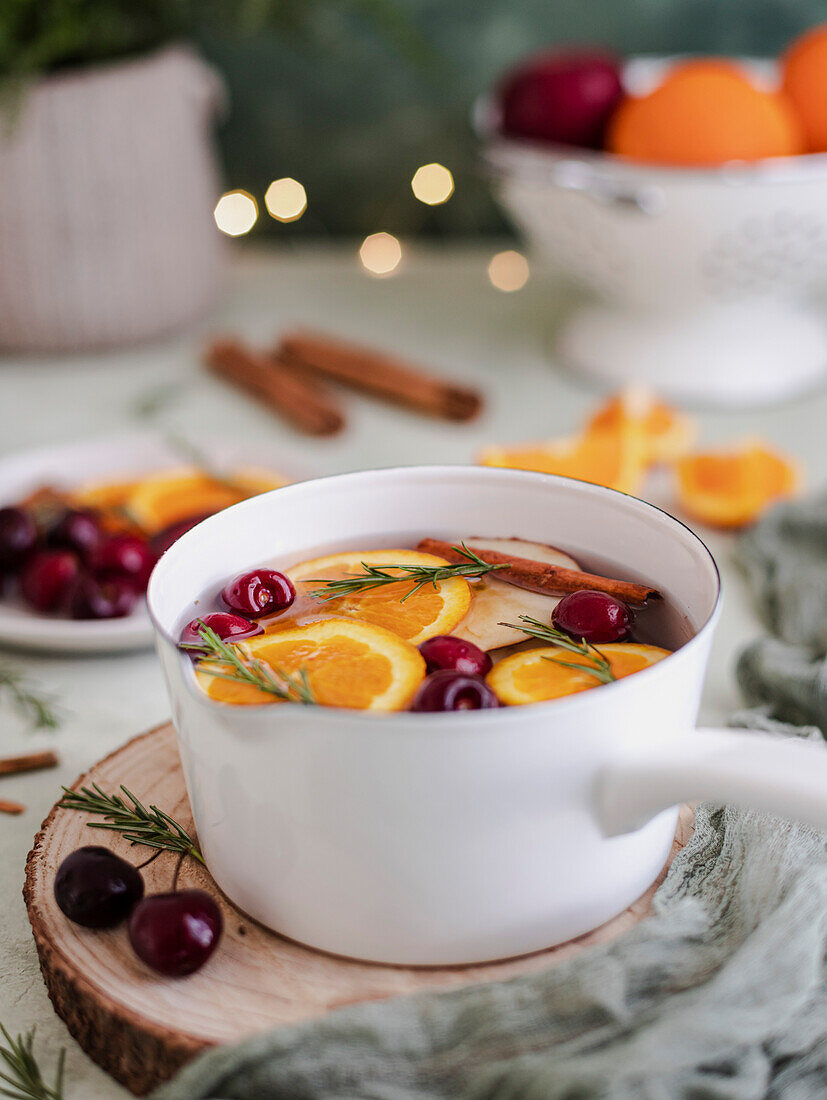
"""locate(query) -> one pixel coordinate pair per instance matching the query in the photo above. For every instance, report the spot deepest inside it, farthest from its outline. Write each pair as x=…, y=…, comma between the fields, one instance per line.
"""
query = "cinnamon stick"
x=302, y=401
x=379, y=374
x=29, y=762
x=538, y=576
x=8, y=807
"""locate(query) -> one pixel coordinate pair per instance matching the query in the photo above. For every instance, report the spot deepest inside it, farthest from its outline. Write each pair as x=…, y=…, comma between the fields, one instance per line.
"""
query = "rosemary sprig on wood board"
x=598, y=666
x=36, y=707
x=376, y=576
x=22, y=1077
x=217, y=656
x=151, y=827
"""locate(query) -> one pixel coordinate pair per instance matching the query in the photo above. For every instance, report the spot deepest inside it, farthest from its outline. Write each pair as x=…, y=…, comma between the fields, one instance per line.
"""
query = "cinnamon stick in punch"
x=302, y=401
x=379, y=374
x=29, y=762
x=538, y=576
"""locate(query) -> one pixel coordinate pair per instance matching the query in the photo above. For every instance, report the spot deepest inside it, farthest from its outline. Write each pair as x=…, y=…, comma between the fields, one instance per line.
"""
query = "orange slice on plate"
x=423, y=614
x=158, y=501
x=348, y=664
x=666, y=433
x=733, y=488
x=104, y=495
x=615, y=459
x=534, y=676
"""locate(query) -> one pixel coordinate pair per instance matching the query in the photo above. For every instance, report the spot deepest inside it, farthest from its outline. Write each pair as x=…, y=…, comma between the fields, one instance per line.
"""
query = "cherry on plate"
x=176, y=933
x=593, y=616
x=124, y=556
x=448, y=690
x=47, y=578
x=18, y=538
x=447, y=652
x=78, y=529
x=225, y=625
x=259, y=592
x=91, y=598
x=96, y=888
x=162, y=541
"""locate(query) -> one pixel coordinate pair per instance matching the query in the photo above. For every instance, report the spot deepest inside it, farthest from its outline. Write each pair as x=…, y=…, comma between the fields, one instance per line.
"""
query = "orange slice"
x=615, y=459
x=162, y=499
x=104, y=495
x=533, y=676
x=424, y=614
x=348, y=664
x=733, y=488
x=667, y=434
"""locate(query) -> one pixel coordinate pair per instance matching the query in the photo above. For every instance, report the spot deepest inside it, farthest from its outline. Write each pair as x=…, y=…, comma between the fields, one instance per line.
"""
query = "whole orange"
x=705, y=112
x=804, y=69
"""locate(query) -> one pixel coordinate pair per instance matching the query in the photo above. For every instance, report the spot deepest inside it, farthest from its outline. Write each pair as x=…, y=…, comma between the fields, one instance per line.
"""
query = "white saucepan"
x=438, y=839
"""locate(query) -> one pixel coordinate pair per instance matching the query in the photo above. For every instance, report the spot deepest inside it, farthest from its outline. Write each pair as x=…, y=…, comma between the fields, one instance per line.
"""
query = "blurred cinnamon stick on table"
x=300, y=400
x=379, y=374
x=30, y=762
x=8, y=807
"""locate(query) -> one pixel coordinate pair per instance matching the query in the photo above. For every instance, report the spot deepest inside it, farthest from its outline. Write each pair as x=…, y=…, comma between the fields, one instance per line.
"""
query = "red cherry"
x=448, y=690
x=91, y=598
x=259, y=593
x=78, y=530
x=18, y=538
x=175, y=934
x=164, y=539
x=565, y=97
x=593, y=616
x=46, y=579
x=225, y=625
x=96, y=888
x=445, y=651
x=124, y=557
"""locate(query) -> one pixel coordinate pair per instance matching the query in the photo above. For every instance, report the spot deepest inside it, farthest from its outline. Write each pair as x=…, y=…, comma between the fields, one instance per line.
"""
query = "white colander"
x=706, y=281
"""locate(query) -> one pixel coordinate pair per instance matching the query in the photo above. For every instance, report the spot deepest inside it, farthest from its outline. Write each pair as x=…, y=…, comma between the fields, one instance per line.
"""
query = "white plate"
x=66, y=467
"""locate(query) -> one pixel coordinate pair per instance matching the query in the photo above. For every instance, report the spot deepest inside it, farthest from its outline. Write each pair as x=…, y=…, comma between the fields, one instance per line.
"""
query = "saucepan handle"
x=781, y=775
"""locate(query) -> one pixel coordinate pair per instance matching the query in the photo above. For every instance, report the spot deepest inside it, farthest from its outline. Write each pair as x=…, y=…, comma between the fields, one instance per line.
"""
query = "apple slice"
x=496, y=601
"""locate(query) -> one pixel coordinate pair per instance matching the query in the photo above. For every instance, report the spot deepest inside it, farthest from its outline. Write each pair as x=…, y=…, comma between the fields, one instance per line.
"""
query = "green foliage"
x=41, y=36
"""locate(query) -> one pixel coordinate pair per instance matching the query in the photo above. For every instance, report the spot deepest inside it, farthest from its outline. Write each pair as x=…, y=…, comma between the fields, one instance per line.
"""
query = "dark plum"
x=91, y=598
x=447, y=652
x=259, y=592
x=225, y=625
x=47, y=578
x=18, y=538
x=594, y=617
x=176, y=933
x=447, y=690
x=96, y=888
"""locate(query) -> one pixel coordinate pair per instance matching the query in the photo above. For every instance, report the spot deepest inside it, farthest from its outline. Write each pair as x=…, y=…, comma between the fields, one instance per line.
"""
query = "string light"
x=432, y=184
x=508, y=271
x=380, y=253
x=285, y=199
x=236, y=212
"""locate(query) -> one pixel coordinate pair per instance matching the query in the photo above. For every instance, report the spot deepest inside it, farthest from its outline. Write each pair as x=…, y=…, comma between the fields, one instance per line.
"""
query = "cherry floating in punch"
x=259, y=592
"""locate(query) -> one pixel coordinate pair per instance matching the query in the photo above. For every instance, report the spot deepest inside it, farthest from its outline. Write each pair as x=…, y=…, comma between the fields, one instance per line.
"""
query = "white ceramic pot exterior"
x=438, y=839
x=702, y=275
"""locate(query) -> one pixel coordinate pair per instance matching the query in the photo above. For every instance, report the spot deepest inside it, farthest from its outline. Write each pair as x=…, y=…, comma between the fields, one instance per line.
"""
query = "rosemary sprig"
x=24, y=1079
x=37, y=708
x=249, y=670
x=598, y=666
x=376, y=576
x=151, y=827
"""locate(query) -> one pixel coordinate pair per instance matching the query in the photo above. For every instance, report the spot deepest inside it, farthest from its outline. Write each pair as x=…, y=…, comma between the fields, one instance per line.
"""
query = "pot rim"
x=256, y=713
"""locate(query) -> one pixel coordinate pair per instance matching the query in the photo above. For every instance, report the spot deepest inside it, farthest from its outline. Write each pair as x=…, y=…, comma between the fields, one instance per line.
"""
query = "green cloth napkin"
x=719, y=995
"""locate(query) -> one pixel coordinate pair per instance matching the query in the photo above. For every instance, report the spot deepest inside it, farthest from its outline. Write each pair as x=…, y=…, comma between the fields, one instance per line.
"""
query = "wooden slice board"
x=140, y=1027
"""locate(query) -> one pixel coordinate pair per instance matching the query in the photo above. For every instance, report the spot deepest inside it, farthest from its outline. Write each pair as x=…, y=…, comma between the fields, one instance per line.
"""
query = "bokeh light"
x=285, y=199
x=236, y=212
x=508, y=271
x=380, y=253
x=432, y=184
